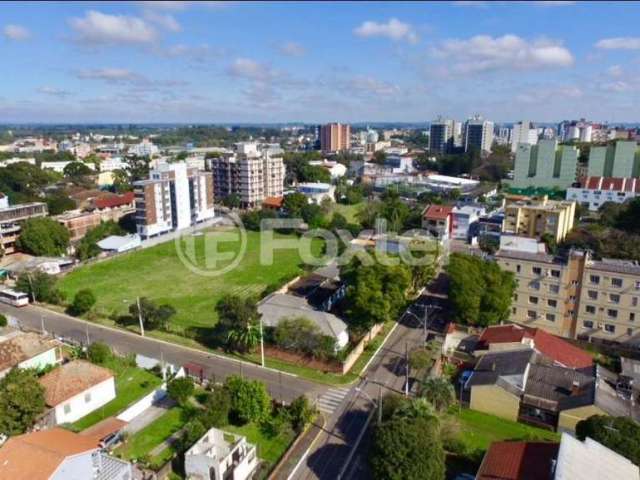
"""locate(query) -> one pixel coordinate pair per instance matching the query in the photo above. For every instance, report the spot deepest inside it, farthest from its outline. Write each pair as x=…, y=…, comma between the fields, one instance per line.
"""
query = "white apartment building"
x=463, y=217
x=250, y=173
x=523, y=132
x=593, y=192
x=144, y=149
x=173, y=198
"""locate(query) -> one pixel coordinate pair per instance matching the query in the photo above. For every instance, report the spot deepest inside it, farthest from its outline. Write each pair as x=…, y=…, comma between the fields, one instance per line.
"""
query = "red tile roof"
x=557, y=349
x=437, y=212
x=71, y=379
x=273, y=202
x=111, y=201
x=614, y=184
x=518, y=461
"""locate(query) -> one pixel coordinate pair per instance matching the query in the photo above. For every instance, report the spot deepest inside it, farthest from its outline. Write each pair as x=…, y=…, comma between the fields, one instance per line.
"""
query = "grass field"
x=270, y=449
x=132, y=383
x=349, y=211
x=159, y=274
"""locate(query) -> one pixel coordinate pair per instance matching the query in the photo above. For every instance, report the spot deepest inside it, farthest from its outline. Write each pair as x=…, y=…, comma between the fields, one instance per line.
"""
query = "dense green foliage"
x=99, y=353
x=43, y=237
x=480, y=292
x=3, y=320
x=620, y=434
x=300, y=412
x=238, y=320
x=217, y=406
x=302, y=335
x=154, y=316
x=40, y=286
x=24, y=182
x=21, y=401
x=180, y=390
x=250, y=400
x=88, y=246
x=83, y=301
x=58, y=203
x=439, y=392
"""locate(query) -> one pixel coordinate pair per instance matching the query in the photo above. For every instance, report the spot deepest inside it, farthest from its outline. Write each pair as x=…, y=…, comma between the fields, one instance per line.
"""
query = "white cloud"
x=545, y=93
x=619, y=86
x=371, y=86
x=113, y=75
x=97, y=28
x=53, y=91
x=484, y=53
x=166, y=21
x=394, y=29
x=619, y=43
x=178, y=6
x=292, y=49
x=197, y=53
x=16, y=32
x=250, y=69
x=615, y=71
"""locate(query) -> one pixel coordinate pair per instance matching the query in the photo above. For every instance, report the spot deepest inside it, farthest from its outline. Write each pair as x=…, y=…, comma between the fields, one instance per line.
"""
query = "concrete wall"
x=495, y=401
x=144, y=403
x=50, y=357
x=100, y=394
x=568, y=419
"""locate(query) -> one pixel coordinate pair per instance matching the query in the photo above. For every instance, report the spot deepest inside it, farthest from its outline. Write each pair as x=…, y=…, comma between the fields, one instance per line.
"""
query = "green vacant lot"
x=158, y=273
x=132, y=383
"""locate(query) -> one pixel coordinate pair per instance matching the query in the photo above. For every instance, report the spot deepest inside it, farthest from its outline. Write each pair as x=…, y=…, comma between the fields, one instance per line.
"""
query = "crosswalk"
x=331, y=399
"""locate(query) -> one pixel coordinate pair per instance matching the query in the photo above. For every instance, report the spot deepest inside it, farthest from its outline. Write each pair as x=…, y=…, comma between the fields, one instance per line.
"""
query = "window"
x=595, y=279
x=533, y=300
x=634, y=301
x=87, y=397
x=590, y=309
x=555, y=273
x=552, y=303
x=616, y=282
x=554, y=288
x=515, y=297
x=592, y=294
x=587, y=324
x=550, y=317
x=518, y=268
x=637, y=285
x=532, y=315
x=614, y=298
x=537, y=271
x=611, y=313
x=514, y=310
x=535, y=285
x=67, y=408
x=610, y=328
x=632, y=317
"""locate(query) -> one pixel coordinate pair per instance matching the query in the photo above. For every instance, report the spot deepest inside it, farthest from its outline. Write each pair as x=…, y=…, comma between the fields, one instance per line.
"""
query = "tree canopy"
x=250, y=401
x=43, y=237
x=154, y=316
x=21, y=401
x=88, y=245
x=620, y=434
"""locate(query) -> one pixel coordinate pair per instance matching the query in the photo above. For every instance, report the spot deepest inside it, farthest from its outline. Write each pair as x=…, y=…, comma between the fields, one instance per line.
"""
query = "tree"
x=294, y=203
x=480, y=292
x=620, y=434
x=76, y=170
x=407, y=449
x=154, y=317
x=420, y=359
x=300, y=413
x=180, y=390
x=21, y=401
x=250, y=401
x=40, y=286
x=243, y=338
x=232, y=201
x=3, y=321
x=193, y=431
x=99, y=353
x=58, y=203
x=628, y=219
x=238, y=317
x=379, y=157
x=217, y=406
x=439, y=392
x=43, y=237
x=300, y=334
x=83, y=301
x=550, y=242
x=88, y=245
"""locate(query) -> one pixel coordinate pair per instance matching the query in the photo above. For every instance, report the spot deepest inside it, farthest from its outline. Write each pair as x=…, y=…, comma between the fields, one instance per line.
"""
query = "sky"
x=226, y=62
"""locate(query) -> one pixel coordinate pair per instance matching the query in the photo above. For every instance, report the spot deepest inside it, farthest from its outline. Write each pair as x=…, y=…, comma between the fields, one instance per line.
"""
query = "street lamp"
x=377, y=404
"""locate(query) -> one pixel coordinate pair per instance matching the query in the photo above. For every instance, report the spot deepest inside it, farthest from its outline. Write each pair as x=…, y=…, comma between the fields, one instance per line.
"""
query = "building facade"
x=173, y=198
x=593, y=192
x=523, y=132
x=478, y=134
x=441, y=136
x=11, y=218
x=620, y=160
x=545, y=164
x=335, y=137
x=536, y=216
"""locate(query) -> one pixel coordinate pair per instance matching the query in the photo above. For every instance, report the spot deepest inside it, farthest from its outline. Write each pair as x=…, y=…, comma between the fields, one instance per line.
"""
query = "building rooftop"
x=611, y=184
x=518, y=461
x=112, y=201
x=71, y=379
x=437, y=212
x=21, y=347
x=615, y=266
x=555, y=388
x=37, y=455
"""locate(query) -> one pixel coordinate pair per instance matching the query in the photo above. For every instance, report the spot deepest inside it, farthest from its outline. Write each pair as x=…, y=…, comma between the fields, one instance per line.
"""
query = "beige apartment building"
x=335, y=137
x=576, y=296
x=535, y=216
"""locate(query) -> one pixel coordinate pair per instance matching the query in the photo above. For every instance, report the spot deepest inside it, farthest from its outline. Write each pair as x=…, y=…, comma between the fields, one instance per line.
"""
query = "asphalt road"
x=282, y=386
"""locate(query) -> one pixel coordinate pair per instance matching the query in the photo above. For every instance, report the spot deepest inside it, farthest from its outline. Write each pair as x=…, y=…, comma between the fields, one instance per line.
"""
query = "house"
x=321, y=293
x=335, y=169
x=27, y=350
x=464, y=217
x=59, y=454
x=438, y=221
x=76, y=389
x=273, y=203
x=316, y=192
x=279, y=306
x=593, y=192
x=519, y=461
x=220, y=455
x=120, y=243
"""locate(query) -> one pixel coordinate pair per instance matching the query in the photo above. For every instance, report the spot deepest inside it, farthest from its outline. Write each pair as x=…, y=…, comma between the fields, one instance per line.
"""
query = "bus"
x=13, y=297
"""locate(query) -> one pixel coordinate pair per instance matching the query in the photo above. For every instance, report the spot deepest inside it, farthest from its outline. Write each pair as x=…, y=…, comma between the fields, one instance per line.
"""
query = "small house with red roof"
x=438, y=221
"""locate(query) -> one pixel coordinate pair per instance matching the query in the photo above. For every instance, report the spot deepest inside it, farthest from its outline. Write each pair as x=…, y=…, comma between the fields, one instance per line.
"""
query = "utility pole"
x=44, y=332
x=379, y=404
x=88, y=342
x=33, y=292
x=425, y=321
x=406, y=370
x=140, y=316
x=261, y=342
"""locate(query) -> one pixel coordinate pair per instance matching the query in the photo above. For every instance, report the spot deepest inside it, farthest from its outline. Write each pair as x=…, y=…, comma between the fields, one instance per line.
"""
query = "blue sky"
x=318, y=61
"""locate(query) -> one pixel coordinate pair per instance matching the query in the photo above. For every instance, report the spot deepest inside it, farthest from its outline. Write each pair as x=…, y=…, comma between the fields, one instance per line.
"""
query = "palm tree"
x=439, y=392
x=245, y=337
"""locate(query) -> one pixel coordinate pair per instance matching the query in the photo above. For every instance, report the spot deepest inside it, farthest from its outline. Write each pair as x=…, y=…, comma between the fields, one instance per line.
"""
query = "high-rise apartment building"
x=478, y=134
x=619, y=160
x=335, y=137
x=249, y=173
x=174, y=197
x=441, y=136
x=545, y=165
x=575, y=296
x=536, y=216
x=523, y=132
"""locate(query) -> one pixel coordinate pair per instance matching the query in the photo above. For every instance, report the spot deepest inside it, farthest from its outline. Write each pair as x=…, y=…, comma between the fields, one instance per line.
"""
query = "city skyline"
x=216, y=62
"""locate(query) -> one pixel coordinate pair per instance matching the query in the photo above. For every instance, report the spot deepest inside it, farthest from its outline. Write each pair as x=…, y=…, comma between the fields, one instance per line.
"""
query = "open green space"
x=143, y=442
x=132, y=383
x=270, y=449
x=479, y=430
x=159, y=274
x=349, y=211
